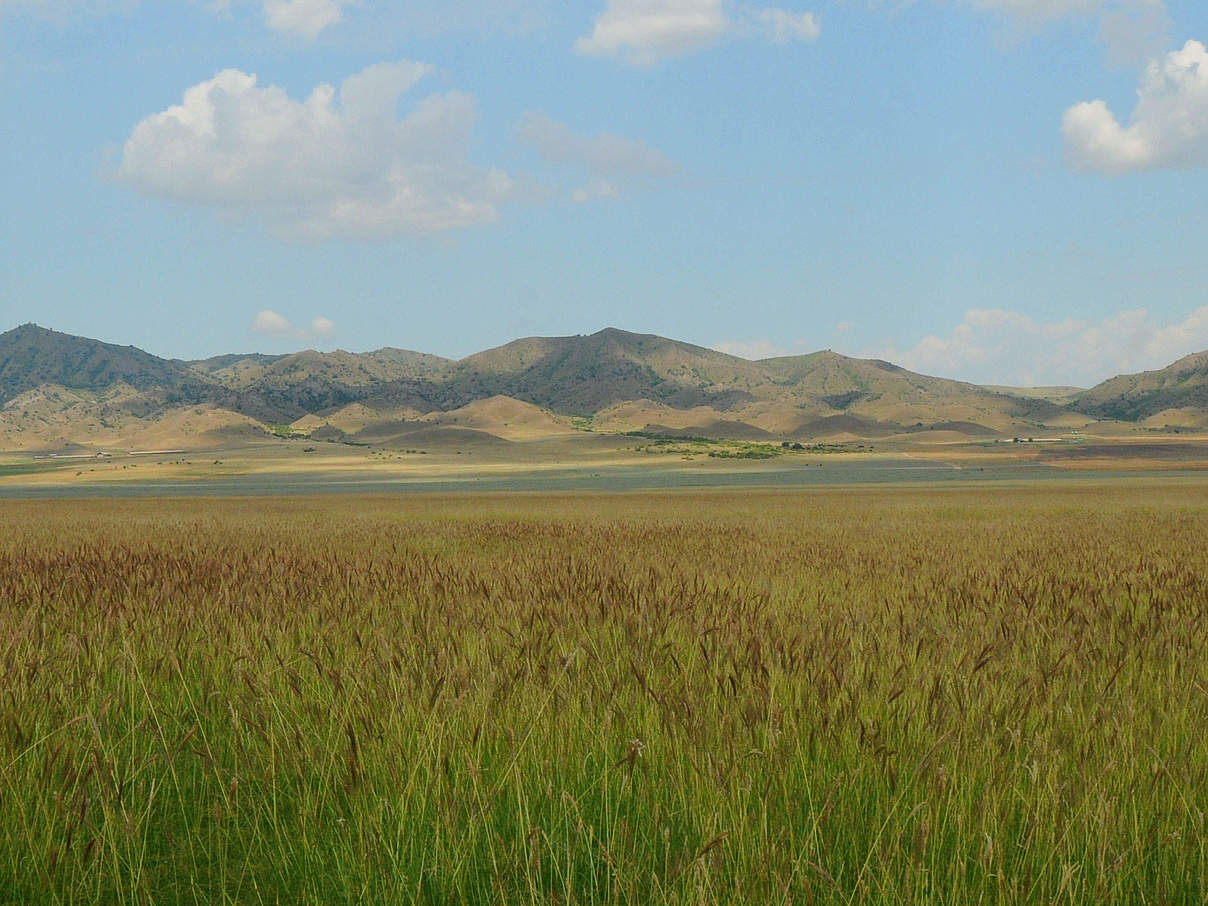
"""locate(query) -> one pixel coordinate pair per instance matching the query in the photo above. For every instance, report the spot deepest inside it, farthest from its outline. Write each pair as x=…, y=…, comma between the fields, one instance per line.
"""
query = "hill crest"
x=611, y=380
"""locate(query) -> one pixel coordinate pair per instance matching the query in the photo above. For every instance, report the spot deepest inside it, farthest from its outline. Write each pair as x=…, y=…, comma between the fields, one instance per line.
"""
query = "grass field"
x=889, y=696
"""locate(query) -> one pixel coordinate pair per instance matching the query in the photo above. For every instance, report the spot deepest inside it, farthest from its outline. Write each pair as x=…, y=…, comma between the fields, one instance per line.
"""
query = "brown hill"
x=584, y=374
x=233, y=364
x=33, y=357
x=306, y=382
x=115, y=418
x=1180, y=389
x=339, y=368
x=881, y=392
x=54, y=385
x=504, y=417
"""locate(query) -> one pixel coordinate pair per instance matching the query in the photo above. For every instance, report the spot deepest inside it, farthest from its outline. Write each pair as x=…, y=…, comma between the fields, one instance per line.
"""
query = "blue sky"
x=995, y=190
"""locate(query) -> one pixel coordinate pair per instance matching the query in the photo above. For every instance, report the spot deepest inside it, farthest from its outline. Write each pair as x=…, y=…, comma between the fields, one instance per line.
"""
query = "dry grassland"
x=869, y=696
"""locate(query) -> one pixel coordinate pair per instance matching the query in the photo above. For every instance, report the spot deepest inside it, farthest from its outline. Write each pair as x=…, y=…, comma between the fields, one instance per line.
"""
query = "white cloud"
x=270, y=324
x=319, y=169
x=322, y=328
x=277, y=327
x=751, y=349
x=1169, y=126
x=783, y=26
x=642, y=32
x=1004, y=347
x=645, y=31
x=303, y=17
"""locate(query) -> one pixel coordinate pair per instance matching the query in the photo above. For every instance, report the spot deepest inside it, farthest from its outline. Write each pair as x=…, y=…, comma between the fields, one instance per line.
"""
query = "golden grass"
x=878, y=696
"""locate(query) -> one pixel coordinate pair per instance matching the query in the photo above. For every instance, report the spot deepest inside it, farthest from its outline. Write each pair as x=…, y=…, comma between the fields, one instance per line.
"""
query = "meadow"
x=881, y=695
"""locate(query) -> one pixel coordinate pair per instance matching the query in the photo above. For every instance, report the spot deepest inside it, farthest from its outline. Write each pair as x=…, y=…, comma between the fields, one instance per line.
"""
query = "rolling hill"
x=583, y=375
x=55, y=387
x=1176, y=394
x=32, y=357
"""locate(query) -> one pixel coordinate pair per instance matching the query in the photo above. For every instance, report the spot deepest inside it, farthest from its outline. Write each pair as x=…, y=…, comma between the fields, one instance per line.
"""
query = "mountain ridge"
x=612, y=381
x=1183, y=384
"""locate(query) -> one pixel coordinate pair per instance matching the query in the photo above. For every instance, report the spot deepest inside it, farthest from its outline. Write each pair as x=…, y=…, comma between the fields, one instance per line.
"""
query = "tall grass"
x=890, y=697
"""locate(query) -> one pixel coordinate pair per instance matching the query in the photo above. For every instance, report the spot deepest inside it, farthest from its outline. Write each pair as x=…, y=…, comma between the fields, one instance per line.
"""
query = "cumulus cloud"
x=645, y=31
x=1168, y=129
x=997, y=346
x=303, y=17
x=277, y=327
x=642, y=32
x=337, y=164
x=613, y=164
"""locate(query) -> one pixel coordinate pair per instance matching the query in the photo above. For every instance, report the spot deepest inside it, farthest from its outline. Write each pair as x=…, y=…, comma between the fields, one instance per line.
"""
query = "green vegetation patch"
x=34, y=468
x=287, y=431
x=747, y=451
x=690, y=446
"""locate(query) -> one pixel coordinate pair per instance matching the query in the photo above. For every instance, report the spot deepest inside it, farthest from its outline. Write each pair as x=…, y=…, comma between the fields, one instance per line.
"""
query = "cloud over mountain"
x=337, y=164
x=270, y=324
x=1011, y=347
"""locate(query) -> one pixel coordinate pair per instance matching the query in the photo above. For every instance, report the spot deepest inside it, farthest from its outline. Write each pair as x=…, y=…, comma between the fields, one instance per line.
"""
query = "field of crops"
x=877, y=696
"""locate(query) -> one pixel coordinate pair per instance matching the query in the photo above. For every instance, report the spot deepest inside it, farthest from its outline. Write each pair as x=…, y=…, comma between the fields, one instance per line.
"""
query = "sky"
x=1003, y=191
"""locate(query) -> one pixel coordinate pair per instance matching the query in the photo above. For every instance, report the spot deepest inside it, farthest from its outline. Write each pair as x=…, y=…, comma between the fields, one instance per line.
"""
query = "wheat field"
x=883, y=696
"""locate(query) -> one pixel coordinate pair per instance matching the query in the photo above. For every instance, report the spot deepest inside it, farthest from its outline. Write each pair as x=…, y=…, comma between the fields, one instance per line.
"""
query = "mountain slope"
x=1182, y=385
x=583, y=374
x=886, y=393
x=113, y=382
x=32, y=356
x=620, y=381
x=329, y=369
x=307, y=382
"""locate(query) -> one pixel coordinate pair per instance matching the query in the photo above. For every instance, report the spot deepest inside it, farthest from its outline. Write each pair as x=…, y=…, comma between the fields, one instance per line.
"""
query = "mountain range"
x=57, y=389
